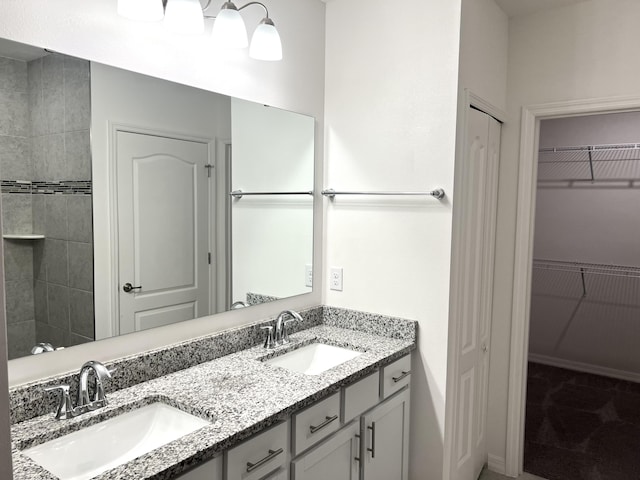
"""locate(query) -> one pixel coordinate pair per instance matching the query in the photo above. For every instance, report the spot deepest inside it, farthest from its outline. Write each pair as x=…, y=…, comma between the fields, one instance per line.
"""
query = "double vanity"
x=332, y=402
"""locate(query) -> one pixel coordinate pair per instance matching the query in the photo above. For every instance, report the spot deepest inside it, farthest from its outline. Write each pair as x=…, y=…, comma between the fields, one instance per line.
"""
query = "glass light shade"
x=184, y=16
x=142, y=10
x=229, y=30
x=265, y=43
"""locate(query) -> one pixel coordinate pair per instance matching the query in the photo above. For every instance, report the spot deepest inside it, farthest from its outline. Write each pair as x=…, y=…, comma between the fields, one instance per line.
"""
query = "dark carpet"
x=581, y=426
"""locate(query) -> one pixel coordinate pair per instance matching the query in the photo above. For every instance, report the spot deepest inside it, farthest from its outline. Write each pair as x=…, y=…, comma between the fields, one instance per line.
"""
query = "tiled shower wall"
x=15, y=163
x=51, y=297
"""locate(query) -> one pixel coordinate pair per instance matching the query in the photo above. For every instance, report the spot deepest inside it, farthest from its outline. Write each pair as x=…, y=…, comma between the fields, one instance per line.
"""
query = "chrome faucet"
x=281, y=333
x=100, y=373
x=238, y=304
x=84, y=404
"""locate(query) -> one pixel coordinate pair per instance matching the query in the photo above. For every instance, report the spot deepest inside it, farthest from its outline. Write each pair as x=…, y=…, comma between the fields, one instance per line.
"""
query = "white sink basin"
x=93, y=450
x=313, y=359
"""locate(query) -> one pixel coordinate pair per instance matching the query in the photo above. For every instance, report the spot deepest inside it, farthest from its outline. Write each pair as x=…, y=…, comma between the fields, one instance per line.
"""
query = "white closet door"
x=162, y=229
x=479, y=202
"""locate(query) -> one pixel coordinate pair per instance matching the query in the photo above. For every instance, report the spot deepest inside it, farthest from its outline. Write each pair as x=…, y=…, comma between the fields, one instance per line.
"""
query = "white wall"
x=483, y=51
x=93, y=30
x=272, y=237
x=553, y=56
x=391, y=94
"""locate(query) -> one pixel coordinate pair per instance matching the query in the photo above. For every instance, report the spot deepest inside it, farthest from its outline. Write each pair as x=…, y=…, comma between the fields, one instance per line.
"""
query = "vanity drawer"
x=361, y=396
x=259, y=455
x=395, y=376
x=209, y=470
x=315, y=423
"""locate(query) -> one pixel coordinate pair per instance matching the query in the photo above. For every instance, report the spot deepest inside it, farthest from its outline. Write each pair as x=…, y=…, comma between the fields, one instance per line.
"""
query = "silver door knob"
x=128, y=288
x=484, y=348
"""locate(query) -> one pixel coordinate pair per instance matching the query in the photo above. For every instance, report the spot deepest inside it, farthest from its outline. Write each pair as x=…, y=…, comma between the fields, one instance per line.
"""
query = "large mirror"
x=130, y=202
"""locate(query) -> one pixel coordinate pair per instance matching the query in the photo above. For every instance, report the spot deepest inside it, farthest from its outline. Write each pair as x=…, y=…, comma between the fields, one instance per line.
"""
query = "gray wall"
x=6, y=469
x=45, y=166
x=15, y=164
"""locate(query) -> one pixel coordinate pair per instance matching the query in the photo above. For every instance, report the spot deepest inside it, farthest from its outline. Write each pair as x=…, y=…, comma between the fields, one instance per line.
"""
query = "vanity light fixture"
x=229, y=30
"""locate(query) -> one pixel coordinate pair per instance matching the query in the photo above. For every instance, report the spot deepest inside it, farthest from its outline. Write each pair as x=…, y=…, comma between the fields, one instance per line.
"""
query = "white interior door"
x=162, y=230
x=479, y=201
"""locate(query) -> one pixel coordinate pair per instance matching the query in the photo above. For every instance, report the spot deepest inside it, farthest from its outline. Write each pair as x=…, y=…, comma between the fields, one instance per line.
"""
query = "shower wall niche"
x=45, y=168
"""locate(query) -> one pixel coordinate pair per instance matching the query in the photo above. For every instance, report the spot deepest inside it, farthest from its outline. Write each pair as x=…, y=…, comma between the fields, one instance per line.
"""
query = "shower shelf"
x=23, y=236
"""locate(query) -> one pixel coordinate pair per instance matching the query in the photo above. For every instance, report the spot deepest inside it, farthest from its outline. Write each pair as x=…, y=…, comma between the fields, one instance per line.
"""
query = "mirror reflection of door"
x=162, y=230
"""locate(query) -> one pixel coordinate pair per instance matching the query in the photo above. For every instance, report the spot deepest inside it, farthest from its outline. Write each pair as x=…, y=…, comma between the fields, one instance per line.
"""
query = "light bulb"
x=229, y=30
x=265, y=43
x=184, y=17
x=142, y=10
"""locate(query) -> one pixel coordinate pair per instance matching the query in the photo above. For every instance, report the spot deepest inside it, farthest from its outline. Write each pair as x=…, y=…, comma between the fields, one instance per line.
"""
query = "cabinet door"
x=386, y=439
x=336, y=459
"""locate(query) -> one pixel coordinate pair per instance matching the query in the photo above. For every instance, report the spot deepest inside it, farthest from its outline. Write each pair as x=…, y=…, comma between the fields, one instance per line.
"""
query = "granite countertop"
x=238, y=393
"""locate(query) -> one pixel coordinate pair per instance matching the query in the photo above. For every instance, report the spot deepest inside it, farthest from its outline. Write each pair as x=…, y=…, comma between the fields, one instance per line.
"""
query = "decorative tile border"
x=66, y=187
x=16, y=186
x=29, y=401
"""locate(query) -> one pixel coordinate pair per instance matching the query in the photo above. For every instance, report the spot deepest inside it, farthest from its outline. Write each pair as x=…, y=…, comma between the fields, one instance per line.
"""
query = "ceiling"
x=524, y=7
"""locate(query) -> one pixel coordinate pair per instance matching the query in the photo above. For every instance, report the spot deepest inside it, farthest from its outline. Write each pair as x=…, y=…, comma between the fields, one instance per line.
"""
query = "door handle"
x=128, y=288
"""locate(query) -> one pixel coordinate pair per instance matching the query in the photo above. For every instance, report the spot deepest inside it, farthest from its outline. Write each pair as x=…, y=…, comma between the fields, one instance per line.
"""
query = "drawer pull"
x=272, y=454
x=373, y=440
x=400, y=377
x=328, y=420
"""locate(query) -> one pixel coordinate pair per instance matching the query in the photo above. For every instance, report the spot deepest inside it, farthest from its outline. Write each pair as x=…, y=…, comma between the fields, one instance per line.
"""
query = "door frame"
x=467, y=101
x=111, y=317
x=525, y=219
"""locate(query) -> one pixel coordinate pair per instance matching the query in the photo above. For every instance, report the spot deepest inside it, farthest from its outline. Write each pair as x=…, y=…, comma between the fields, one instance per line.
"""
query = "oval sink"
x=93, y=450
x=313, y=359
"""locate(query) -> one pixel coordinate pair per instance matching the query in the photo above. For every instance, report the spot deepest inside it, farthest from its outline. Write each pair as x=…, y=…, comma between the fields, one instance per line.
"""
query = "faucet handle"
x=268, y=341
x=65, y=408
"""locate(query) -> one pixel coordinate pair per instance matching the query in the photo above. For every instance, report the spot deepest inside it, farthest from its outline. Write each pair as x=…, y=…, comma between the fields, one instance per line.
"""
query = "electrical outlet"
x=335, y=279
x=308, y=276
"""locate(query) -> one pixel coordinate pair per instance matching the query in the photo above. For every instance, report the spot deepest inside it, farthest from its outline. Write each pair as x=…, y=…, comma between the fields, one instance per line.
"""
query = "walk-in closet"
x=583, y=388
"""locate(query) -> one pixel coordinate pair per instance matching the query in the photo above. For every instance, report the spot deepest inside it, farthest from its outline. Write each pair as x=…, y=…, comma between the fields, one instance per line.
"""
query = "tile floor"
x=581, y=426
x=487, y=475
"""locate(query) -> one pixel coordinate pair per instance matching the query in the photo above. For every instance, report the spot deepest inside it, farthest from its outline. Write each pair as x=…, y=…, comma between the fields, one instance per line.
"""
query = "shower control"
x=128, y=288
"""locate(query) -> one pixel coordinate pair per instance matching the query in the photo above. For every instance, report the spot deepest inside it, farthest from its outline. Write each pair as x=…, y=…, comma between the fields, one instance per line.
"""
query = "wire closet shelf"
x=587, y=268
x=590, y=162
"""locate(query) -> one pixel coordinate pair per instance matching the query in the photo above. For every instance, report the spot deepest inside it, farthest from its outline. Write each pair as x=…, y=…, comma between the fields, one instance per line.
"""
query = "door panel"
x=163, y=227
x=479, y=202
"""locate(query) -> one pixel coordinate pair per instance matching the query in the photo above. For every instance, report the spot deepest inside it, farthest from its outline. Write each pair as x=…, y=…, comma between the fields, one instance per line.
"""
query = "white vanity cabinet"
x=375, y=440
x=209, y=470
x=259, y=456
x=386, y=439
x=335, y=459
x=358, y=433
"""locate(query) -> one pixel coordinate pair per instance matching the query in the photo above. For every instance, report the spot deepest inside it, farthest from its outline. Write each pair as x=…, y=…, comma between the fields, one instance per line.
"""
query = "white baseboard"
x=585, y=367
x=497, y=464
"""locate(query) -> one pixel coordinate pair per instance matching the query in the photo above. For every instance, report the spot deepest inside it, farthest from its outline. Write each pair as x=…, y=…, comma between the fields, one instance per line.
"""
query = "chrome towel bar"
x=238, y=194
x=437, y=193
